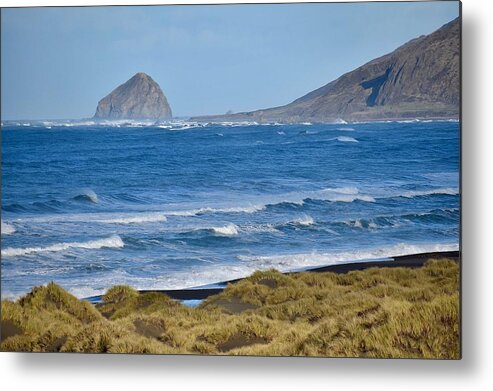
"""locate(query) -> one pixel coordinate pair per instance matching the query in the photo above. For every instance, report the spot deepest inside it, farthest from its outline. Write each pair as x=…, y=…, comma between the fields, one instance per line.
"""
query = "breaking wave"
x=113, y=241
x=342, y=194
x=346, y=139
x=87, y=196
x=287, y=262
x=226, y=230
x=7, y=229
x=208, y=210
x=303, y=221
x=137, y=219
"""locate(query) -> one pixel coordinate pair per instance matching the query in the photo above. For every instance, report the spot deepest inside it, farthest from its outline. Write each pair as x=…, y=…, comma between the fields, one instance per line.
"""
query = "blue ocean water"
x=180, y=205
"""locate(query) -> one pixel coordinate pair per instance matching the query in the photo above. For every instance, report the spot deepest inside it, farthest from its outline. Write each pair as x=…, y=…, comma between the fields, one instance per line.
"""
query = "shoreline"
x=380, y=312
x=202, y=120
x=203, y=292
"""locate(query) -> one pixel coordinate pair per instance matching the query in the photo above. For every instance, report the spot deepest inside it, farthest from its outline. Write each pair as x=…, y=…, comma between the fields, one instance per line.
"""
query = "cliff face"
x=138, y=98
x=420, y=79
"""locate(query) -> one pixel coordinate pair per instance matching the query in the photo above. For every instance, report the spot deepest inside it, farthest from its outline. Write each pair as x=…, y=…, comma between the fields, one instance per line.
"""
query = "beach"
x=405, y=307
x=200, y=293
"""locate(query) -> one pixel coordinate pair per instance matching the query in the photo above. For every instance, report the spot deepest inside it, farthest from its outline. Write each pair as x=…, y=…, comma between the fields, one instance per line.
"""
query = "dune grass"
x=377, y=312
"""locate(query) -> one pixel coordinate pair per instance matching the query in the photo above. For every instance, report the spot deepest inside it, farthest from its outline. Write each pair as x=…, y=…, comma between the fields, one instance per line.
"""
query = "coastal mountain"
x=138, y=98
x=420, y=79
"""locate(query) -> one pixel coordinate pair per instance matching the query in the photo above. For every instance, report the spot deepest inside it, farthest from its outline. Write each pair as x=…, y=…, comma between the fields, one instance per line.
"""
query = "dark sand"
x=411, y=261
x=239, y=340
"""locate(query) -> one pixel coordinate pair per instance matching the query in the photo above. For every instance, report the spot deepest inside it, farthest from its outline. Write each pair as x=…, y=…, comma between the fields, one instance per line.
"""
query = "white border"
x=473, y=372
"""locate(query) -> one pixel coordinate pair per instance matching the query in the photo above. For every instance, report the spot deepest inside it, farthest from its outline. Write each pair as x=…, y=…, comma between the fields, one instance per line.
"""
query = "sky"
x=57, y=63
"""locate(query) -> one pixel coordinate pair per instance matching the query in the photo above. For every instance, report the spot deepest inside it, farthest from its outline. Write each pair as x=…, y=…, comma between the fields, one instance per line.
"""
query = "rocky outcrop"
x=420, y=79
x=138, y=98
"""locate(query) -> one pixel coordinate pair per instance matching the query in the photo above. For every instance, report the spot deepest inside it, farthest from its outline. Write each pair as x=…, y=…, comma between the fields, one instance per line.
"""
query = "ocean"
x=183, y=204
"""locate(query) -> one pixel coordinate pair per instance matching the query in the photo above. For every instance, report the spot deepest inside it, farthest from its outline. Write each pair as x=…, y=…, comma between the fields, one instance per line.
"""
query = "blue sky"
x=58, y=62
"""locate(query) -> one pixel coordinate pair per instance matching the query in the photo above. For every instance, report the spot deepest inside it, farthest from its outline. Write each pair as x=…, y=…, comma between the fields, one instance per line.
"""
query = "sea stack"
x=138, y=98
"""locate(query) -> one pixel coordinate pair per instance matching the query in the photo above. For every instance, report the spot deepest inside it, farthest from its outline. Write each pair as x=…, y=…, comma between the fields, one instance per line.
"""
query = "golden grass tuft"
x=377, y=312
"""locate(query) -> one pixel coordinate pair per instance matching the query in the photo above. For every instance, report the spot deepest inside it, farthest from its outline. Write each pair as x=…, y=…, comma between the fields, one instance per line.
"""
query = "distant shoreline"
x=407, y=261
x=212, y=119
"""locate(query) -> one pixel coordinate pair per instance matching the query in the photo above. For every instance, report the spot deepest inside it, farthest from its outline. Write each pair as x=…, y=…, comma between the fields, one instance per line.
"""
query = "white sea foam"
x=303, y=221
x=205, y=274
x=230, y=229
x=340, y=121
x=7, y=228
x=186, y=126
x=409, y=121
x=254, y=204
x=346, y=139
x=281, y=133
x=259, y=228
x=207, y=210
x=361, y=224
x=236, y=124
x=286, y=262
x=140, y=218
x=113, y=241
x=346, y=129
x=227, y=230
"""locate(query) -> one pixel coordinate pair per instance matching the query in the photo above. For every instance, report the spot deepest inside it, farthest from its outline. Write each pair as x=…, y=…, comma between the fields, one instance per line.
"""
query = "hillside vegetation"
x=377, y=312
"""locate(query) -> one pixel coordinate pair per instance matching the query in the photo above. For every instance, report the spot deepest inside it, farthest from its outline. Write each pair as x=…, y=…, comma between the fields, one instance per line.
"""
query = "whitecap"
x=7, y=228
x=303, y=221
x=340, y=121
x=346, y=139
x=113, y=241
x=87, y=195
x=260, y=228
x=297, y=261
x=140, y=218
x=408, y=121
x=207, y=210
x=226, y=230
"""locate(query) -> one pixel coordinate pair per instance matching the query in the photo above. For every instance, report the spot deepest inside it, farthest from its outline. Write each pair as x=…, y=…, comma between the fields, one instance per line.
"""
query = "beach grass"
x=378, y=312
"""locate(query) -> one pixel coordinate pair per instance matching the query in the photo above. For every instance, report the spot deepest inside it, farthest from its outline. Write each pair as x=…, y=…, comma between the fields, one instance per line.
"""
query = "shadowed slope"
x=138, y=98
x=420, y=79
